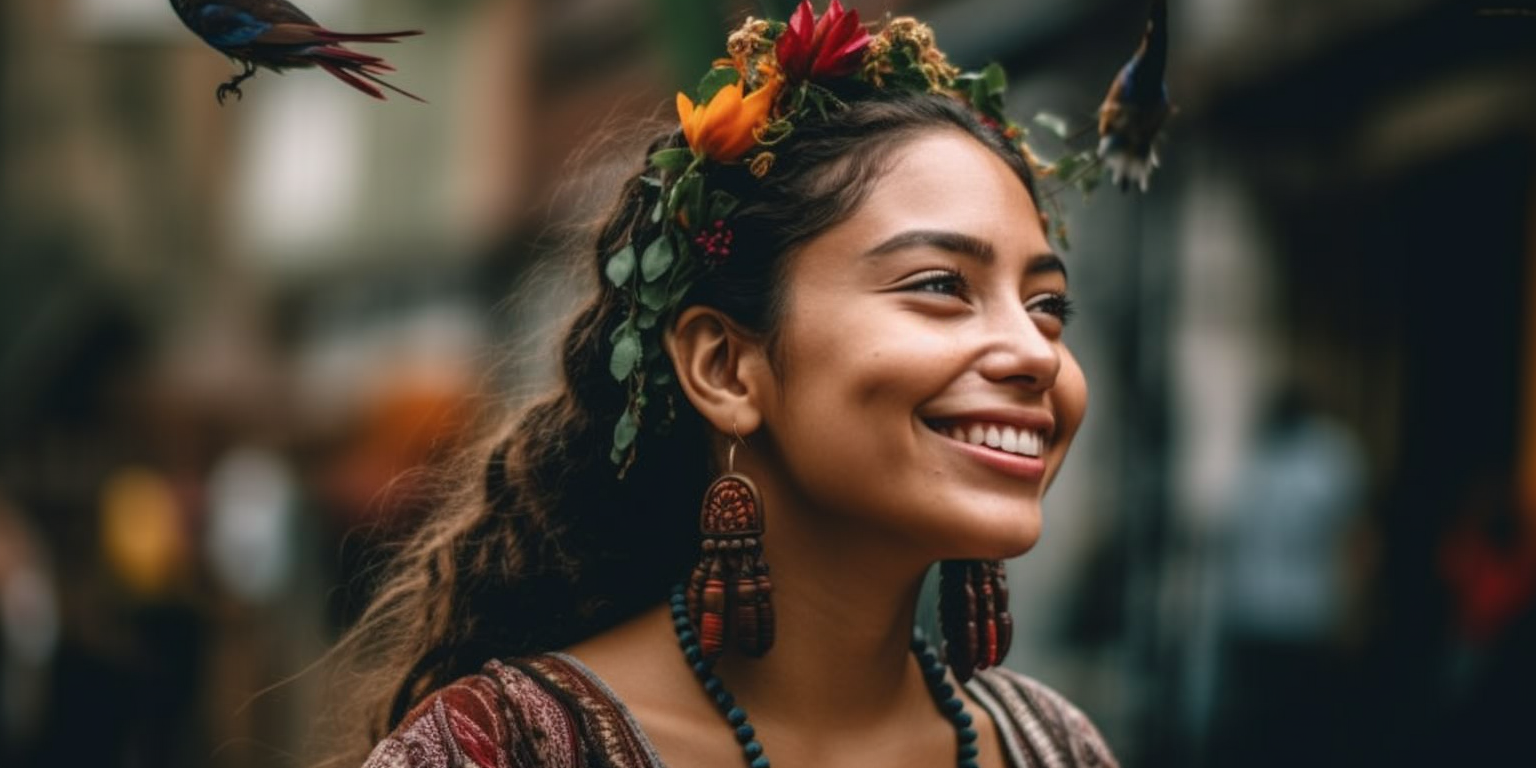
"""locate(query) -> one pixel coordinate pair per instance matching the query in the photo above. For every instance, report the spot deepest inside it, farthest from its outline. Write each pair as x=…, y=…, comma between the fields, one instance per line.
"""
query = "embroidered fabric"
x=551, y=711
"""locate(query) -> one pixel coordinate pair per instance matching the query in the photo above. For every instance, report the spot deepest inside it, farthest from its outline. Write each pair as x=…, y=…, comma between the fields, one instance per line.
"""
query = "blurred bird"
x=1137, y=105
x=276, y=35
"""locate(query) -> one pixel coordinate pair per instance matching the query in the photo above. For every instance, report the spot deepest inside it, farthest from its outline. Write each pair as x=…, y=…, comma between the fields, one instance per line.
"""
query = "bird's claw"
x=225, y=89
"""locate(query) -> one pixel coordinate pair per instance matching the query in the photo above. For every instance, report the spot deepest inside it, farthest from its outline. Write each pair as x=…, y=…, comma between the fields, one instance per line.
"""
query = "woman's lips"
x=976, y=439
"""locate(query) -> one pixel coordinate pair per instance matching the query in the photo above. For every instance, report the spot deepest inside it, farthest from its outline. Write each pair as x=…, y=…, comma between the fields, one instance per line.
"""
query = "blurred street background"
x=1298, y=528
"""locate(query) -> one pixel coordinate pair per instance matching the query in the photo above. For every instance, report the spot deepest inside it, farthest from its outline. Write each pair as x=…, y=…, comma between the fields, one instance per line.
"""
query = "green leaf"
x=714, y=80
x=657, y=257
x=995, y=78
x=1054, y=123
x=721, y=203
x=658, y=210
x=1089, y=180
x=621, y=266
x=679, y=291
x=625, y=430
x=622, y=329
x=626, y=352
x=653, y=296
x=682, y=192
x=675, y=159
x=695, y=202
x=1059, y=233
x=648, y=317
x=1067, y=167
x=662, y=379
x=682, y=248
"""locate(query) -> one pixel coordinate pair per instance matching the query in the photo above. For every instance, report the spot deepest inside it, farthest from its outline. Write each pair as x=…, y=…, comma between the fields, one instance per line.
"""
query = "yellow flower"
x=725, y=128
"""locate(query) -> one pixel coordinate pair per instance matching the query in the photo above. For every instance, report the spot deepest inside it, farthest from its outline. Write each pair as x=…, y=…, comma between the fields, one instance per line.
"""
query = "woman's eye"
x=939, y=281
x=1057, y=305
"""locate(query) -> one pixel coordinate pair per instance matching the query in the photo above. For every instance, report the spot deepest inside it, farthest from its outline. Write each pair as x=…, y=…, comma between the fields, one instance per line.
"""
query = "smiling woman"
x=860, y=339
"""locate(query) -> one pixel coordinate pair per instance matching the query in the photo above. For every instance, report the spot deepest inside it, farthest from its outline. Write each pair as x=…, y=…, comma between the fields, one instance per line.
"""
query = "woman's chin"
x=999, y=537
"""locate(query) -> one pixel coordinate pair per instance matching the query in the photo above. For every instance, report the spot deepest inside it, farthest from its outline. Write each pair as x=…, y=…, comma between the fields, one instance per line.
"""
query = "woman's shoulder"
x=534, y=711
x=1039, y=722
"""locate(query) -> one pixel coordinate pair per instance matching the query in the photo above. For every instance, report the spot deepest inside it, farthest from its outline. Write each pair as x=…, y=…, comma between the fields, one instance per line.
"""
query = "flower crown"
x=775, y=75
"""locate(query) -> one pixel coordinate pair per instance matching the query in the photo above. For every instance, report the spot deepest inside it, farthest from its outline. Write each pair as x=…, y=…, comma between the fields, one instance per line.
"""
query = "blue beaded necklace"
x=943, y=693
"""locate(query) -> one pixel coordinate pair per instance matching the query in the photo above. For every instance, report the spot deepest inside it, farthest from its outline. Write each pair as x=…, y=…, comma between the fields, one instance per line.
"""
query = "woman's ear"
x=723, y=369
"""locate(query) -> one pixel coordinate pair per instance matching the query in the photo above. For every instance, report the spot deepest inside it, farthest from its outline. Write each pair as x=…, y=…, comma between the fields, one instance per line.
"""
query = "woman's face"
x=925, y=394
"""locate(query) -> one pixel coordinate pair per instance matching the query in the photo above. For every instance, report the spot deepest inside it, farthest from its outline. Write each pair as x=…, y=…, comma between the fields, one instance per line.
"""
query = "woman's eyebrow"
x=1043, y=263
x=954, y=242
x=964, y=245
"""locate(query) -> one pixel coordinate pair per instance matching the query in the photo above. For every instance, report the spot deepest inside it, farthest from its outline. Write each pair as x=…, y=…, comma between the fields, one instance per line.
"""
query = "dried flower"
x=761, y=164
x=916, y=38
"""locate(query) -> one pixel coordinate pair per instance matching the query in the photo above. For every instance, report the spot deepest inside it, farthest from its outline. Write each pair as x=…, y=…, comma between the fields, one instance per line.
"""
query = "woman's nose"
x=1018, y=352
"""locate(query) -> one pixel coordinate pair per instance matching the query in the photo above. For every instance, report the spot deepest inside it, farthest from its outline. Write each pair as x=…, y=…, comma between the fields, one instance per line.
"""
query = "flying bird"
x=277, y=35
x=1137, y=105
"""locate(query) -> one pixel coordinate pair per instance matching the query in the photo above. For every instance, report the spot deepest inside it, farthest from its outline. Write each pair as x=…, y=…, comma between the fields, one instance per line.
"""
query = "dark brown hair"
x=547, y=546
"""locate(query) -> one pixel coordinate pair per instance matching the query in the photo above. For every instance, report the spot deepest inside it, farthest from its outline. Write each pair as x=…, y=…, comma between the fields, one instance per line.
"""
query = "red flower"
x=818, y=49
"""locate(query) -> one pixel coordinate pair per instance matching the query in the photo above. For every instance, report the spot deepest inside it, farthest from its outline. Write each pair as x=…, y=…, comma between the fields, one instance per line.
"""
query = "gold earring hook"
x=730, y=458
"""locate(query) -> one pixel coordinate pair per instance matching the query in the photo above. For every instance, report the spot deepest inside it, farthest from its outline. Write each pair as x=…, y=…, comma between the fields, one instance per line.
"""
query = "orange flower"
x=725, y=128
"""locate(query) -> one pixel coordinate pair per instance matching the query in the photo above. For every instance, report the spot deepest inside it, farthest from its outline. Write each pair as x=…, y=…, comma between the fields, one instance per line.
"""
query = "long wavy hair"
x=544, y=545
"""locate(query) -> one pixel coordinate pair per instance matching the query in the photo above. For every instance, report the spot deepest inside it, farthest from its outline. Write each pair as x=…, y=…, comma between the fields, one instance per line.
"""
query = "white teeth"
x=977, y=435
x=1004, y=437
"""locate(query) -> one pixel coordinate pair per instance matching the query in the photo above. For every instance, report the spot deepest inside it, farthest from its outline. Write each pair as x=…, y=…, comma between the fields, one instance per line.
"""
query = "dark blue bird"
x=276, y=35
x=1137, y=105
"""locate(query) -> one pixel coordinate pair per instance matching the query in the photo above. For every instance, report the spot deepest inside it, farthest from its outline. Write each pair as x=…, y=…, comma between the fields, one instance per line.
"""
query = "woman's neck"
x=844, y=614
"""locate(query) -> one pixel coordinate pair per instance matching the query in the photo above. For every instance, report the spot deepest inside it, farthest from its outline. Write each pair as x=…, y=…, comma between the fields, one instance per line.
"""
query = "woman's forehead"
x=943, y=182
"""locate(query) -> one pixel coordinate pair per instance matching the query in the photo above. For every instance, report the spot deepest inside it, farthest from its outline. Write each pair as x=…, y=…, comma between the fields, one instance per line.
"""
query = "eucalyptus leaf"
x=648, y=317
x=621, y=266
x=625, y=430
x=714, y=80
x=657, y=257
x=653, y=296
x=623, y=329
x=675, y=159
x=1054, y=123
x=626, y=352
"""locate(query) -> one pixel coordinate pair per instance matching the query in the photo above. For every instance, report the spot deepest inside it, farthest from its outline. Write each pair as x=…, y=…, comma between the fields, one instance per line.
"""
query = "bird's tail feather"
x=355, y=75
x=365, y=37
x=351, y=59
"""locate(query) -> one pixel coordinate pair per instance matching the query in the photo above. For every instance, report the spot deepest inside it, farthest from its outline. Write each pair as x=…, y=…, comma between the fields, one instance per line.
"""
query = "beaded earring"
x=973, y=615
x=729, y=594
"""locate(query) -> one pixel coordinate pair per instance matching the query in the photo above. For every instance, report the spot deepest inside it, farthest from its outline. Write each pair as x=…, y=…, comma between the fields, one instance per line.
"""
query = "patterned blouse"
x=551, y=711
